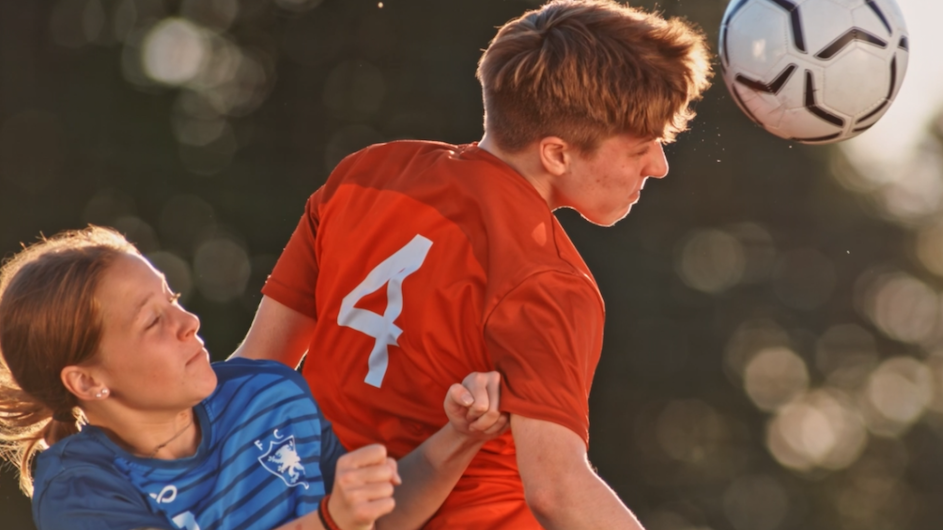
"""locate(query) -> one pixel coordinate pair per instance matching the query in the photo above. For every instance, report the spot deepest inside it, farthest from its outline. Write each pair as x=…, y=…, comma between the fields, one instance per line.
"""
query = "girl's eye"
x=153, y=322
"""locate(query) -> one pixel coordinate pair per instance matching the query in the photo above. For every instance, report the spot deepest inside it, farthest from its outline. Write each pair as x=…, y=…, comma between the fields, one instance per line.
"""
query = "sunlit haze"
x=889, y=144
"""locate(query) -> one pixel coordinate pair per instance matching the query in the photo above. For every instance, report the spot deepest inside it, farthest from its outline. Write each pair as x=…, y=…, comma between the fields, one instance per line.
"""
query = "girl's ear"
x=82, y=383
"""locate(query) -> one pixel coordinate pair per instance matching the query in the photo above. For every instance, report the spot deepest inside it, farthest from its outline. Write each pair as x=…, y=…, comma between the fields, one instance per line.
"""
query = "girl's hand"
x=363, y=488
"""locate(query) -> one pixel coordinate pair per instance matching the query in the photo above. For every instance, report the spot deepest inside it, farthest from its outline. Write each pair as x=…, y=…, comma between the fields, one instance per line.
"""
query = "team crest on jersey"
x=282, y=460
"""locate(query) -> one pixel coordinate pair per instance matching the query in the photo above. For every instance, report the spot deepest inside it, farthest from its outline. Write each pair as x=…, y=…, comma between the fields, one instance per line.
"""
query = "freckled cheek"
x=616, y=182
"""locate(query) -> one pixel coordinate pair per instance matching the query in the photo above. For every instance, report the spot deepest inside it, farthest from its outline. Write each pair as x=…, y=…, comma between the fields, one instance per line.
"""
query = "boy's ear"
x=81, y=382
x=555, y=154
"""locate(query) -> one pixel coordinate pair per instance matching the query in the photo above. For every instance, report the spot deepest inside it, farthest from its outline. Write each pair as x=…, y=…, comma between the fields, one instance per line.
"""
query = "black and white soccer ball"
x=814, y=71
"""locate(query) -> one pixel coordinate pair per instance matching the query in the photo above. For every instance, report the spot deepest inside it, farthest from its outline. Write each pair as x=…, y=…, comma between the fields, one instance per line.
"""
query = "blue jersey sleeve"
x=91, y=498
x=331, y=450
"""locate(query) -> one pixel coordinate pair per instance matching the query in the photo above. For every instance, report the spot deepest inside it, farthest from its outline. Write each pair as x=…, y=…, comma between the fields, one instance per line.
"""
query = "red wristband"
x=325, y=515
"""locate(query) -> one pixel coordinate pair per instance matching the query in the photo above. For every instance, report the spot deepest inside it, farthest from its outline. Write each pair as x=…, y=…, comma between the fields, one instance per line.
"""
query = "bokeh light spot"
x=759, y=252
x=898, y=393
x=846, y=354
x=107, y=206
x=223, y=59
x=917, y=190
x=819, y=429
x=177, y=271
x=711, y=261
x=138, y=232
x=217, y=14
x=775, y=376
x=689, y=430
x=298, y=5
x=930, y=248
x=221, y=269
x=75, y=23
x=125, y=17
x=903, y=307
x=174, y=51
x=184, y=220
x=212, y=157
x=934, y=363
x=197, y=132
x=873, y=494
x=750, y=338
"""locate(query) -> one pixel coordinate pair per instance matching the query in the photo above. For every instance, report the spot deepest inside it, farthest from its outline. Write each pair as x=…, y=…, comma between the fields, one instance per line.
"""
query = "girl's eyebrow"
x=141, y=304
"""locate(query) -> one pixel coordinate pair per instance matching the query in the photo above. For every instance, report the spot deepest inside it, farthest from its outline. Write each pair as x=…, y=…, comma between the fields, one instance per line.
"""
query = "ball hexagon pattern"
x=814, y=71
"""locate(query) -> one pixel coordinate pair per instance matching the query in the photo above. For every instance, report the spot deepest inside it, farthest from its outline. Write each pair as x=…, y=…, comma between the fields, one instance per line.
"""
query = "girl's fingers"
x=477, y=384
x=460, y=396
x=362, y=508
x=486, y=420
x=369, y=455
x=377, y=473
x=364, y=493
x=397, y=480
x=500, y=425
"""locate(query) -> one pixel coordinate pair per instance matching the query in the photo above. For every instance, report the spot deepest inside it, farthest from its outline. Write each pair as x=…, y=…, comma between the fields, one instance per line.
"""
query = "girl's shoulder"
x=77, y=486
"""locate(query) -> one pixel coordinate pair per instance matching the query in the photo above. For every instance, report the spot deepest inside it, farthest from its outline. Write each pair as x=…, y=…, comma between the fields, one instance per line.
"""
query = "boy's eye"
x=153, y=322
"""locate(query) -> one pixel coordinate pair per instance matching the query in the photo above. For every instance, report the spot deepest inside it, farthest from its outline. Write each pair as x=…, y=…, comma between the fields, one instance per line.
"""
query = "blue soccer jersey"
x=266, y=457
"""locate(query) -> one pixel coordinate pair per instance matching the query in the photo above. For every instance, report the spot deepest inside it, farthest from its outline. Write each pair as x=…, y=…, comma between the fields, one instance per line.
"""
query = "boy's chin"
x=607, y=220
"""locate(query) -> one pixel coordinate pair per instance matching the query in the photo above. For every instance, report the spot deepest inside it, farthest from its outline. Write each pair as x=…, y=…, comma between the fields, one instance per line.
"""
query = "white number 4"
x=392, y=271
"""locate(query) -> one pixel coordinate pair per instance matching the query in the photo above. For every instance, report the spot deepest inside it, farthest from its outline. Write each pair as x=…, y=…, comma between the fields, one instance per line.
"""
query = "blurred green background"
x=772, y=355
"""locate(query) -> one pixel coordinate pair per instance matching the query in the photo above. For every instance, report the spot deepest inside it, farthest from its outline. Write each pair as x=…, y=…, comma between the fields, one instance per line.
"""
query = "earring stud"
x=102, y=393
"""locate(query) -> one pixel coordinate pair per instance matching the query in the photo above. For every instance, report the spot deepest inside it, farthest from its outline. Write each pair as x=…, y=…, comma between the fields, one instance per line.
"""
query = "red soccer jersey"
x=423, y=262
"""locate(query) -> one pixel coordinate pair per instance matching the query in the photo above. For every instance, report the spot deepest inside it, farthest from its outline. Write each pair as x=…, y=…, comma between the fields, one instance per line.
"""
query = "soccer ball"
x=814, y=71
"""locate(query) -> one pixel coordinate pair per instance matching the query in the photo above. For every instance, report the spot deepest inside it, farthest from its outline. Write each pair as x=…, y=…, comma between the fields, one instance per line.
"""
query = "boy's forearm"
x=429, y=473
x=560, y=487
x=583, y=501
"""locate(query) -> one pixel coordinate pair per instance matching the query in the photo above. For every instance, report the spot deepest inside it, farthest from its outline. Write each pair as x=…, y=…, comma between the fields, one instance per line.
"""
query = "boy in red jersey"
x=419, y=262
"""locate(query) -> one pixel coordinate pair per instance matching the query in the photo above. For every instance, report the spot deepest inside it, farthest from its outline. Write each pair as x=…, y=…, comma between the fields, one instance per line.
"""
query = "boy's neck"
x=526, y=163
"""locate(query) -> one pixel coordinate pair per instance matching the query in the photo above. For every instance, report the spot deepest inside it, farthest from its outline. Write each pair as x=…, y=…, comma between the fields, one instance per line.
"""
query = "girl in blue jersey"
x=105, y=382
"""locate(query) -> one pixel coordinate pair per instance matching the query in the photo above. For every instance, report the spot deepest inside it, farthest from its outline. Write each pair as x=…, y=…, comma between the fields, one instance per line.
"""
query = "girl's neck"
x=168, y=438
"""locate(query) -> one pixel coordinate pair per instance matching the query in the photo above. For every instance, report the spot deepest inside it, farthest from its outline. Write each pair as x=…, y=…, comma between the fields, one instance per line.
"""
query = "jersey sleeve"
x=545, y=338
x=295, y=276
x=331, y=450
x=90, y=498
